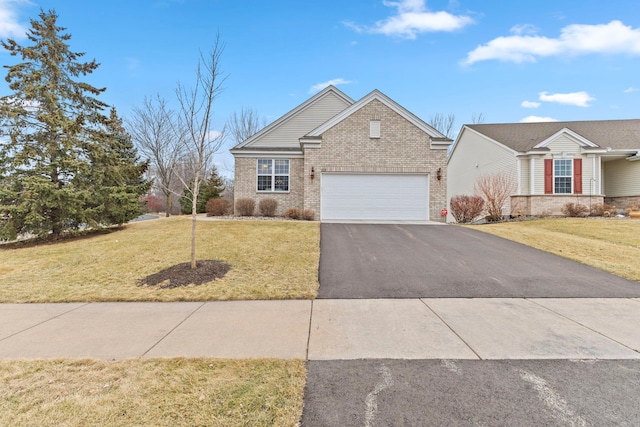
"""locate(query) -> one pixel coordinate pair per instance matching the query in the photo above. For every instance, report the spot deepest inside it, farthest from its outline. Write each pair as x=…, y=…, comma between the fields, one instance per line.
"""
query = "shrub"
x=603, y=209
x=267, y=207
x=308, y=215
x=574, y=209
x=218, y=207
x=293, y=213
x=466, y=208
x=633, y=208
x=496, y=190
x=245, y=207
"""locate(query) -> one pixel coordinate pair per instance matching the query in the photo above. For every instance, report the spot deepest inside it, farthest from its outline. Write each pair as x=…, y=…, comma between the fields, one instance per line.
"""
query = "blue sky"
x=541, y=60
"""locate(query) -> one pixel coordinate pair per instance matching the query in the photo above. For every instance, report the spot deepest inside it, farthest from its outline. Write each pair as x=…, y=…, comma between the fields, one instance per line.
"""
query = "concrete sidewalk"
x=327, y=329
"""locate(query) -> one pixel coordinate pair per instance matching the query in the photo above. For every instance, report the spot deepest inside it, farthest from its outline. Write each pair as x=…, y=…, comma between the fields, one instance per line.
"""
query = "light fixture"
x=313, y=172
x=439, y=174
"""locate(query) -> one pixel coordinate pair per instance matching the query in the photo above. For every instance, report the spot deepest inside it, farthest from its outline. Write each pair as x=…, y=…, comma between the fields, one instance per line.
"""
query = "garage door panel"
x=374, y=197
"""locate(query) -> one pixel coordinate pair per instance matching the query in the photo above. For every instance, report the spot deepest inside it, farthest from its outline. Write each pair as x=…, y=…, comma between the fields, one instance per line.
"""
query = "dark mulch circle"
x=183, y=275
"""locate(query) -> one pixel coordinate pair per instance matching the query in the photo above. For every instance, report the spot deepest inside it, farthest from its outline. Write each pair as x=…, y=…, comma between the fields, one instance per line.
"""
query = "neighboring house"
x=551, y=163
x=346, y=160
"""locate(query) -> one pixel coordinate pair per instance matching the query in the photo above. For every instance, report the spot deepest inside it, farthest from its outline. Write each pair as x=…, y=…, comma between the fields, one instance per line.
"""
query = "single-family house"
x=550, y=163
x=346, y=160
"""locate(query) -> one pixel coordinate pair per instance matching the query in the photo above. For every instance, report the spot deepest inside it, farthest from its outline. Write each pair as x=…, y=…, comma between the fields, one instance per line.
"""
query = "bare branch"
x=155, y=133
x=444, y=124
x=244, y=124
x=495, y=189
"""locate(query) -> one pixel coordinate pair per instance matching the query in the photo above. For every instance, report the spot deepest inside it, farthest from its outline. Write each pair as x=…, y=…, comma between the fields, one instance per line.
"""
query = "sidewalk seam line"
x=450, y=328
x=309, y=334
x=584, y=326
x=172, y=329
x=45, y=321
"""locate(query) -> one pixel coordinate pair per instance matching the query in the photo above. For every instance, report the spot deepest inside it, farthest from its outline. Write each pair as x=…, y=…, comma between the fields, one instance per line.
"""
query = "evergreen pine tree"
x=58, y=148
x=210, y=188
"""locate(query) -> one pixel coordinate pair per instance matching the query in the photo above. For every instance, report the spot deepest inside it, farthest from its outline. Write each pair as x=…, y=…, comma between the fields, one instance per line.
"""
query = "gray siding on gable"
x=287, y=135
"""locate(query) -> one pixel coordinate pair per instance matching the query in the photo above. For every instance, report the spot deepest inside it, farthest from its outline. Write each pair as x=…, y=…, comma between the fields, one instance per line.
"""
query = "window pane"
x=563, y=185
x=563, y=167
x=282, y=183
x=264, y=183
x=264, y=167
x=282, y=167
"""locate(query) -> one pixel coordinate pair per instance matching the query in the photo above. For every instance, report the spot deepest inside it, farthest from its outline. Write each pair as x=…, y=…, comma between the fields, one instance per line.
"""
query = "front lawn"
x=609, y=244
x=157, y=392
x=269, y=260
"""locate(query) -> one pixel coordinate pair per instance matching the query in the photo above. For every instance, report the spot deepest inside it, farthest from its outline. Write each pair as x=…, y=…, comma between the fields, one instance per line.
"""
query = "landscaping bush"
x=466, y=208
x=496, y=190
x=218, y=207
x=633, y=208
x=267, y=207
x=603, y=209
x=245, y=207
x=308, y=215
x=293, y=213
x=574, y=209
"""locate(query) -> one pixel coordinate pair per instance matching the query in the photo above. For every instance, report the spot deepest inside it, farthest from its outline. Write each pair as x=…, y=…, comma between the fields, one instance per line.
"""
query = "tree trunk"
x=167, y=207
x=194, y=213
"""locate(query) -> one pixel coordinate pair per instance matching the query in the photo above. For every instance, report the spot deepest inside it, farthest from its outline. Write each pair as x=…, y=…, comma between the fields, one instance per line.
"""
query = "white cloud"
x=579, y=99
x=10, y=27
x=631, y=89
x=536, y=119
x=574, y=40
x=335, y=82
x=530, y=104
x=412, y=18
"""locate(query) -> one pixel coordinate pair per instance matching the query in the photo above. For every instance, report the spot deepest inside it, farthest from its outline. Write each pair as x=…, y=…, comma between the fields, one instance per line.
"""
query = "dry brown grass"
x=157, y=392
x=269, y=260
x=611, y=245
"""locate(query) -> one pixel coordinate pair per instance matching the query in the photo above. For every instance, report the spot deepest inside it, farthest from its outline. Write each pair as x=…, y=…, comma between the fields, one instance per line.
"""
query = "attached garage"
x=374, y=197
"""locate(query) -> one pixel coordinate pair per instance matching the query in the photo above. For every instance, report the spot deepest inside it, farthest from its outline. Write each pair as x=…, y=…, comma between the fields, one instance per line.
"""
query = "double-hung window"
x=562, y=176
x=273, y=175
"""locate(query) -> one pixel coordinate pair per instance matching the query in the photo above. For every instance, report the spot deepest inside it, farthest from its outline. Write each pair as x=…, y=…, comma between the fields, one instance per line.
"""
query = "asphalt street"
x=472, y=393
x=428, y=261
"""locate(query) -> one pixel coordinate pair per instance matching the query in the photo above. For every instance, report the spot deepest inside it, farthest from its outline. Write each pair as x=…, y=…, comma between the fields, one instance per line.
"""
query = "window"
x=273, y=175
x=562, y=176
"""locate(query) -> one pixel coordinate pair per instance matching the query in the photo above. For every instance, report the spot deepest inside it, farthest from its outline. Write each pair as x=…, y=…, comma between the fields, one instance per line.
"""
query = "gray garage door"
x=375, y=197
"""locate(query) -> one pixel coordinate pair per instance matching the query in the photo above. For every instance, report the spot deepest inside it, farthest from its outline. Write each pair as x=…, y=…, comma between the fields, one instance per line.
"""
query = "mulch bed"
x=183, y=275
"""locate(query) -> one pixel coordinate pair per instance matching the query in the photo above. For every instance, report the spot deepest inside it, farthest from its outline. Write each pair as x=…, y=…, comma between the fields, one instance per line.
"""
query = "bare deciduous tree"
x=153, y=129
x=244, y=124
x=477, y=119
x=444, y=124
x=495, y=189
x=195, y=118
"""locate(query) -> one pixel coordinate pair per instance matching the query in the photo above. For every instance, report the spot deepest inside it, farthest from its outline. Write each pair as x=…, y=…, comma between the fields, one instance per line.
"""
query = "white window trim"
x=273, y=176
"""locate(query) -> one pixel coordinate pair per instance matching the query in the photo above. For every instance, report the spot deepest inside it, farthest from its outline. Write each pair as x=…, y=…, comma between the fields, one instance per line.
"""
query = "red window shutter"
x=577, y=176
x=548, y=176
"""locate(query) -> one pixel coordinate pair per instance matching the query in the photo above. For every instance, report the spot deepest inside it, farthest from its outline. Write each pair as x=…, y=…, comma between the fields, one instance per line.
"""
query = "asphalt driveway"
x=437, y=261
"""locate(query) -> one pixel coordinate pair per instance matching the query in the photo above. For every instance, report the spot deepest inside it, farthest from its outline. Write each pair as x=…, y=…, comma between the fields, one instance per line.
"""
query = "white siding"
x=525, y=173
x=622, y=178
x=475, y=156
x=289, y=132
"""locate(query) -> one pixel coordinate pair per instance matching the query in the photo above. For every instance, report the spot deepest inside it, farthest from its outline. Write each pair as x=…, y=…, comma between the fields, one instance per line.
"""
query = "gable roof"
x=523, y=137
x=435, y=135
x=329, y=90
